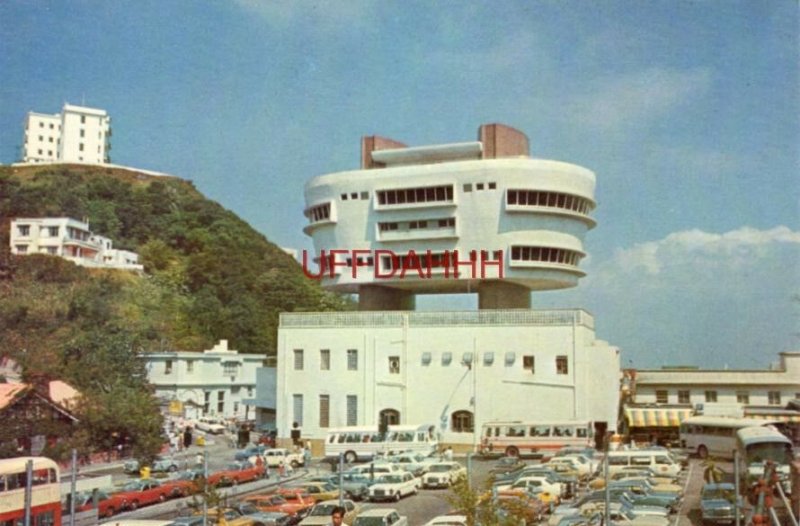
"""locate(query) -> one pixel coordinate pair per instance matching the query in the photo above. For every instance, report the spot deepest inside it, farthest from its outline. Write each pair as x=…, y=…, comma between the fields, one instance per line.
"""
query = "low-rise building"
x=455, y=370
x=70, y=239
x=215, y=382
x=657, y=400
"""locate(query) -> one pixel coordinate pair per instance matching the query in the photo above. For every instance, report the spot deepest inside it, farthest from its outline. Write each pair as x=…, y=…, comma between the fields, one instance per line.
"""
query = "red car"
x=275, y=502
x=184, y=484
x=105, y=503
x=236, y=473
x=138, y=493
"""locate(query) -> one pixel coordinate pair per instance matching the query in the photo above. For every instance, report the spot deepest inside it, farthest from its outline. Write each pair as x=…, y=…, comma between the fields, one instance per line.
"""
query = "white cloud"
x=637, y=98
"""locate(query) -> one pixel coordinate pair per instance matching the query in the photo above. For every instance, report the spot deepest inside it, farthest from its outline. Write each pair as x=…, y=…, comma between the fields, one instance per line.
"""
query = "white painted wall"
x=77, y=134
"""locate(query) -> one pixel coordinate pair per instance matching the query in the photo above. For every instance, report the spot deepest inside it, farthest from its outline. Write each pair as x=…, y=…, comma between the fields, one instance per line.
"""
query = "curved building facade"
x=454, y=218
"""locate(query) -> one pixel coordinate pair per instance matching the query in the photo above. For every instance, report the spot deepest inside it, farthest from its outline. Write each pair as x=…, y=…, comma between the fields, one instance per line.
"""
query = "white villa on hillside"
x=70, y=239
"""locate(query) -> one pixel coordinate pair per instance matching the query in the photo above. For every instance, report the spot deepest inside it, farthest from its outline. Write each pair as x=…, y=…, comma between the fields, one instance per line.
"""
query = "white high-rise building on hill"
x=77, y=134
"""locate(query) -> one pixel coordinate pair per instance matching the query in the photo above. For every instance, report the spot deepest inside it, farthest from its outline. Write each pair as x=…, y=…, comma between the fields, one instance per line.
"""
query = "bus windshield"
x=776, y=452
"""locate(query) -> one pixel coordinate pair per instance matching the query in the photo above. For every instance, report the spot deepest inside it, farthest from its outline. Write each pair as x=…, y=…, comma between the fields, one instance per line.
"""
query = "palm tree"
x=712, y=473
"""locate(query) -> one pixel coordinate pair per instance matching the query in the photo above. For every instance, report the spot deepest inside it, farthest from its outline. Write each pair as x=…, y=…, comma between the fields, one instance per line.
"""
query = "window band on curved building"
x=545, y=254
x=549, y=199
x=319, y=213
x=429, y=194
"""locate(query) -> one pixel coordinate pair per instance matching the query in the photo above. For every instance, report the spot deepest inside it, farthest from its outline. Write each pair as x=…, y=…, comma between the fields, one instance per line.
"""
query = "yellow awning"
x=656, y=416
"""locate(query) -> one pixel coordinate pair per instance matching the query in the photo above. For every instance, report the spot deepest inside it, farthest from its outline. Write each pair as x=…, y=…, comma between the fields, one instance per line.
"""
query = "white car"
x=525, y=483
x=275, y=457
x=380, y=517
x=448, y=520
x=586, y=466
x=443, y=475
x=320, y=514
x=393, y=486
x=375, y=469
x=415, y=463
x=580, y=465
x=210, y=425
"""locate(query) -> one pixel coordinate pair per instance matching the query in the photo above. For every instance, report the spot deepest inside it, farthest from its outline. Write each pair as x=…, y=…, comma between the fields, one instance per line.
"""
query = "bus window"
x=540, y=431
x=340, y=438
x=332, y=439
x=421, y=436
x=618, y=461
x=581, y=432
x=663, y=459
x=640, y=461
x=562, y=431
x=515, y=431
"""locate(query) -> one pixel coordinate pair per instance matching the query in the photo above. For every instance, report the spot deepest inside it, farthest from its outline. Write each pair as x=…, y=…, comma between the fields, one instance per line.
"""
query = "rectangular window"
x=394, y=365
x=168, y=367
x=479, y=186
x=352, y=359
x=324, y=360
x=297, y=409
x=562, y=365
x=83, y=119
x=83, y=133
x=189, y=366
x=774, y=398
x=324, y=410
x=206, y=402
x=230, y=368
x=711, y=396
x=467, y=187
x=220, y=402
x=447, y=357
x=488, y=358
x=529, y=363
x=742, y=397
x=684, y=397
x=22, y=249
x=24, y=230
x=662, y=397
x=352, y=410
x=80, y=147
x=52, y=231
x=298, y=359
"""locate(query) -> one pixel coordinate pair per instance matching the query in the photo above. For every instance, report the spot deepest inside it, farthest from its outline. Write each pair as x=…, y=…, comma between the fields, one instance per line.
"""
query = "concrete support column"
x=503, y=295
x=376, y=297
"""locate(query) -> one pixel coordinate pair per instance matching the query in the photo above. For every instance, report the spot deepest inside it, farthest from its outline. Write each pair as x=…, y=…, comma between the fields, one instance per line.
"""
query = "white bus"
x=364, y=443
x=756, y=446
x=714, y=436
x=515, y=439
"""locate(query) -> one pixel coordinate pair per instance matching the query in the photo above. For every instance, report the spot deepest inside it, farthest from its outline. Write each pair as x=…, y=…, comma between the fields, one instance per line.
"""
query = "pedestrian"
x=448, y=453
x=307, y=456
x=187, y=437
x=337, y=516
x=266, y=468
x=281, y=468
x=199, y=460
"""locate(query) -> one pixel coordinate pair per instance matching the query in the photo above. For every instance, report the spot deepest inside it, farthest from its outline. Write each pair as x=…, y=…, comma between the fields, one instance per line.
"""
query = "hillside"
x=208, y=274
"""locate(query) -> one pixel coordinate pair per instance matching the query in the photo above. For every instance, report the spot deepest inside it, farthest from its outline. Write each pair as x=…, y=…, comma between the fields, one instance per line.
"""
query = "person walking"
x=337, y=516
x=307, y=457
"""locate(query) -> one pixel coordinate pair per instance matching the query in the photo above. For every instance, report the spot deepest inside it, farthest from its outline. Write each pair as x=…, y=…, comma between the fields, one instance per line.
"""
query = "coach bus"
x=758, y=445
x=45, y=491
x=516, y=439
x=714, y=436
x=364, y=443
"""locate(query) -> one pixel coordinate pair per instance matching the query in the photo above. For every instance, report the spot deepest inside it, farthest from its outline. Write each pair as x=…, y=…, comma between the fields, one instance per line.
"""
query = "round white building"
x=454, y=218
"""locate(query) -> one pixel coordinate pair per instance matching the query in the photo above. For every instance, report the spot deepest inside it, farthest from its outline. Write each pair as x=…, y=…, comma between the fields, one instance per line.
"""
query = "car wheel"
x=173, y=468
x=110, y=512
x=702, y=452
x=235, y=482
x=162, y=497
x=134, y=505
x=512, y=451
x=295, y=464
x=350, y=457
x=397, y=497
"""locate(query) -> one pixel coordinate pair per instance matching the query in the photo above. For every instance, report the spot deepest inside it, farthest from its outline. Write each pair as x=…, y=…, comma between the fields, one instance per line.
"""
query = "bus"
x=517, y=439
x=714, y=436
x=756, y=446
x=45, y=491
x=365, y=443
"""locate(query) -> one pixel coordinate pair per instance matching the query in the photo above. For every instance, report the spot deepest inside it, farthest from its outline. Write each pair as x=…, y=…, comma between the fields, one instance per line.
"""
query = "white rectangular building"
x=77, y=134
x=215, y=382
x=456, y=370
x=70, y=239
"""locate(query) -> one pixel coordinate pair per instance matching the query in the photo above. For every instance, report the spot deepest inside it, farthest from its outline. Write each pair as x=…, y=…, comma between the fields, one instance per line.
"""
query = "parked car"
x=250, y=452
x=521, y=485
x=718, y=504
x=85, y=501
x=394, y=486
x=210, y=425
x=380, y=517
x=184, y=484
x=236, y=473
x=297, y=495
x=443, y=475
x=415, y=463
x=448, y=520
x=264, y=518
x=507, y=465
x=159, y=465
x=318, y=491
x=276, y=456
x=320, y=515
x=354, y=485
x=138, y=493
x=276, y=502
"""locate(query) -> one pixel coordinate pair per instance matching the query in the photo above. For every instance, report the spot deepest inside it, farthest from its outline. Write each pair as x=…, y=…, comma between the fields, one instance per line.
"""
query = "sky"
x=687, y=111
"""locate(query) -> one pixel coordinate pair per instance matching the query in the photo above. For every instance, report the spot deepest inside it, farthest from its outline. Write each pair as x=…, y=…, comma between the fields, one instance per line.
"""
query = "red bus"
x=45, y=492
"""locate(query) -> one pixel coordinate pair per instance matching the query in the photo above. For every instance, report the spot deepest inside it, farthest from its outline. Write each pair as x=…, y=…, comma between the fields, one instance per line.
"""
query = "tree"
x=481, y=507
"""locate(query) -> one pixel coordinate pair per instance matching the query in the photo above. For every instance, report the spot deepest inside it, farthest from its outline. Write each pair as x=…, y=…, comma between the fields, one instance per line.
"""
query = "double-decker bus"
x=714, y=436
x=758, y=445
x=45, y=495
x=517, y=439
x=364, y=443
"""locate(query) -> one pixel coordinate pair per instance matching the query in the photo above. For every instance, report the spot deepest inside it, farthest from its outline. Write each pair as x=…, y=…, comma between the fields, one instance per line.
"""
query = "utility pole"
x=205, y=479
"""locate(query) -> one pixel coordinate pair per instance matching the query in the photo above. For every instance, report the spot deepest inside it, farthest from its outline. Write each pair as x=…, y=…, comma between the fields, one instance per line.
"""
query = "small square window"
x=711, y=396
x=365, y=195
x=447, y=357
x=510, y=358
x=562, y=365
x=354, y=195
x=774, y=398
x=344, y=197
x=684, y=397
x=394, y=365
x=488, y=358
x=743, y=397
x=662, y=397
x=529, y=363
x=479, y=186
x=426, y=358
x=492, y=186
x=468, y=187
x=466, y=358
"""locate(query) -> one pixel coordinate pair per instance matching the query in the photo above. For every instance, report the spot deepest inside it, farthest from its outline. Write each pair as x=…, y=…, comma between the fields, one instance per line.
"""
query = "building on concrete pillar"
x=473, y=217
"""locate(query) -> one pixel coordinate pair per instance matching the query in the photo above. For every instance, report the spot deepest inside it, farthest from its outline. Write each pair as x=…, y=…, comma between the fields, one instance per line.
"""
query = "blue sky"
x=686, y=111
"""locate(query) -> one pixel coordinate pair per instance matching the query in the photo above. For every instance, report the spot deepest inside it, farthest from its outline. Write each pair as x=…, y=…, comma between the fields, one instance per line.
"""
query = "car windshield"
x=440, y=468
x=390, y=479
x=234, y=465
x=369, y=521
x=718, y=493
x=247, y=508
x=132, y=486
x=322, y=509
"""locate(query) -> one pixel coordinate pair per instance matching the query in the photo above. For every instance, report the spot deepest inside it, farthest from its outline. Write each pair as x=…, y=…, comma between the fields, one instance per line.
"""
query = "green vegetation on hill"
x=208, y=276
